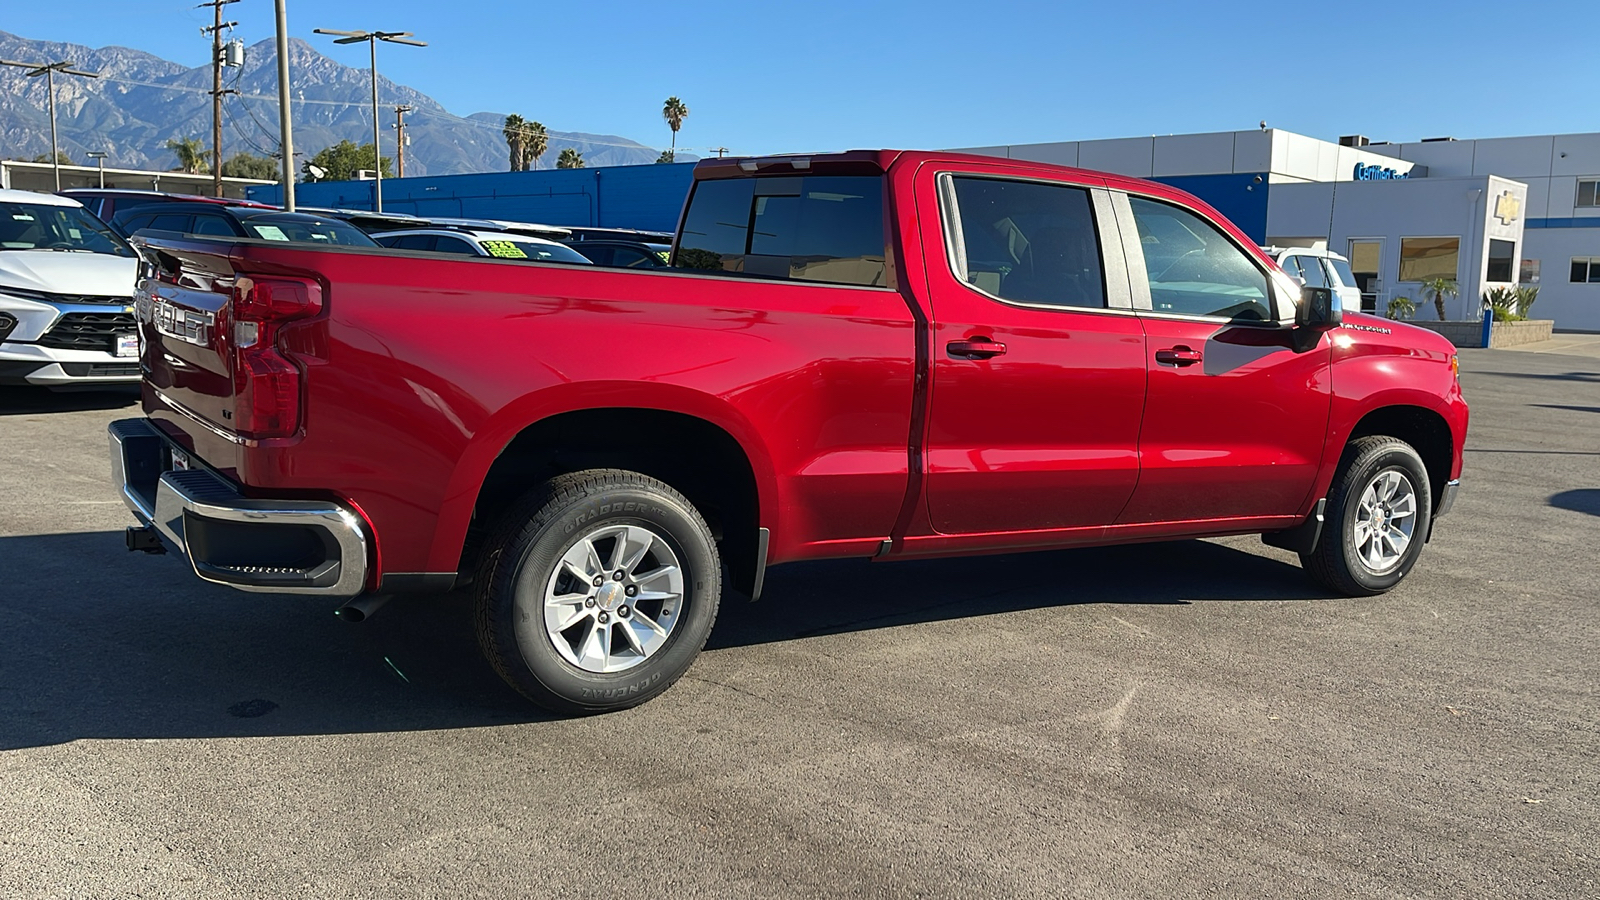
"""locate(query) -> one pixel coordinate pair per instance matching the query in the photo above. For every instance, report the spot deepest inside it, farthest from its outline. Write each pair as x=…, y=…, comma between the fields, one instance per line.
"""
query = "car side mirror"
x=1319, y=309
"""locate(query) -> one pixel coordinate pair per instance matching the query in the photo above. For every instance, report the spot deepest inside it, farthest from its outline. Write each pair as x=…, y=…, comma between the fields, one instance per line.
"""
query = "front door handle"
x=1179, y=356
x=975, y=348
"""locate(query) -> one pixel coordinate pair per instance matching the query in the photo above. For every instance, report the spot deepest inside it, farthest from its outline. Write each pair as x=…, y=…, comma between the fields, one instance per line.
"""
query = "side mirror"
x=1319, y=309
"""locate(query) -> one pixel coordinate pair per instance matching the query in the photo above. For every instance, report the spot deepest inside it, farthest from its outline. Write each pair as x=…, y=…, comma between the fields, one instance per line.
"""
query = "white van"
x=1320, y=268
x=66, y=295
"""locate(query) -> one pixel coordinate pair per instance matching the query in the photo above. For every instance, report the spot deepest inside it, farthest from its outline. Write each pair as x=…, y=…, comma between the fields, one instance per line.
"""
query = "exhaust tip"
x=361, y=608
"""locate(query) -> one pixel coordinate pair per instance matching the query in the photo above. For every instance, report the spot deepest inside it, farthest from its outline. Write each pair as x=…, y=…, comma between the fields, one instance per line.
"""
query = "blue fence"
x=646, y=197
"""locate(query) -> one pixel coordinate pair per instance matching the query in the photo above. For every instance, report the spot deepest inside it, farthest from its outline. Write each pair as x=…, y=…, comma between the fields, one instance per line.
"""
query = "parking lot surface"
x=1189, y=719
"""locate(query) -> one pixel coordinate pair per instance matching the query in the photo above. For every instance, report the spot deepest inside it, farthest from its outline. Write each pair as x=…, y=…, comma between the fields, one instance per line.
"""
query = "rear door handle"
x=1178, y=356
x=975, y=348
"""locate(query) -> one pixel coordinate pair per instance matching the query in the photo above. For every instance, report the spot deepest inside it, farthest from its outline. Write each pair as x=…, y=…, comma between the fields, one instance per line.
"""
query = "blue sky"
x=762, y=77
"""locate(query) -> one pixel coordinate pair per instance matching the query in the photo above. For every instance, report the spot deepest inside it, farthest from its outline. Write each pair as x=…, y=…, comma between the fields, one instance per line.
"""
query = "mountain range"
x=140, y=101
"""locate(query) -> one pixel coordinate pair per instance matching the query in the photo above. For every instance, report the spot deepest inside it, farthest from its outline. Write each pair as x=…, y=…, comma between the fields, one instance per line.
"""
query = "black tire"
x=521, y=560
x=1335, y=562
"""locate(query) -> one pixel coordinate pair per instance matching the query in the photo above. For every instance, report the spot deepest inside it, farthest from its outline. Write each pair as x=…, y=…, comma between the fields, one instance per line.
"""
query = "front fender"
x=1369, y=376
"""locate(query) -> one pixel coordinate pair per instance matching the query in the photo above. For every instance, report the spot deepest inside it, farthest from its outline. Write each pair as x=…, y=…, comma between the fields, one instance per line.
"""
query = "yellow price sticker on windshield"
x=504, y=249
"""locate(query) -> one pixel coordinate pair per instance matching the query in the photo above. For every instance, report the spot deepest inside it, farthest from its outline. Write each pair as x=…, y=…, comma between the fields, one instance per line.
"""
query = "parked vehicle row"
x=890, y=355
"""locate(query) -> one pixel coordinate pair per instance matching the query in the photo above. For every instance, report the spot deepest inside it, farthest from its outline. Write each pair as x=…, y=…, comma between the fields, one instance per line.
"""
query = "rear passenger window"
x=170, y=222
x=826, y=228
x=214, y=225
x=1194, y=269
x=1026, y=241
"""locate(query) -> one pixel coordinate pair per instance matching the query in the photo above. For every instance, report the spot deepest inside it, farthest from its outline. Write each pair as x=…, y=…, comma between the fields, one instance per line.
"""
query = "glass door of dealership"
x=1366, y=255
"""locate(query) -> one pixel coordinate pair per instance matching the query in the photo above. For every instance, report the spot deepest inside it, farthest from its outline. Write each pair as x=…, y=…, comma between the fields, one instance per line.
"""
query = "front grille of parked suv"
x=88, y=331
x=66, y=299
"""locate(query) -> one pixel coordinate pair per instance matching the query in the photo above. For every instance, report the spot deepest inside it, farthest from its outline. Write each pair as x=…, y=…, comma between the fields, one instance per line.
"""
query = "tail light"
x=266, y=382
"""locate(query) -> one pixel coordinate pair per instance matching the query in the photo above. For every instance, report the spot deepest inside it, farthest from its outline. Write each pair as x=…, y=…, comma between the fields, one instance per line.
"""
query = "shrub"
x=1526, y=294
x=1503, y=301
x=1400, y=307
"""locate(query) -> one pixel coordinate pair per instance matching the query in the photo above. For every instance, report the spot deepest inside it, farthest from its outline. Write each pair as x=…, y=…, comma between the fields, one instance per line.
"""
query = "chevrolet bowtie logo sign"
x=1507, y=207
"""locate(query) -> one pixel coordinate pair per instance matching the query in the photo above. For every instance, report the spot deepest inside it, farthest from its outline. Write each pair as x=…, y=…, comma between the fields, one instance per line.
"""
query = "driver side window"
x=1194, y=269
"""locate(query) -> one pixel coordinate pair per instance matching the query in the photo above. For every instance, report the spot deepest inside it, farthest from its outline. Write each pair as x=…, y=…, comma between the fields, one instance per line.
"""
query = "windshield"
x=302, y=229
x=1342, y=269
x=38, y=226
x=515, y=248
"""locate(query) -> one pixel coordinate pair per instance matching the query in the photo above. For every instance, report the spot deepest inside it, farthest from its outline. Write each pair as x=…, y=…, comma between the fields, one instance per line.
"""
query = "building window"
x=1501, y=253
x=1586, y=269
x=1529, y=273
x=1427, y=258
x=1589, y=192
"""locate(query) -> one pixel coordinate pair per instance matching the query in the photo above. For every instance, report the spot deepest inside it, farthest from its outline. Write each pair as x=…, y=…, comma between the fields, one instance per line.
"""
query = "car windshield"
x=511, y=247
x=303, y=229
x=1342, y=269
x=39, y=226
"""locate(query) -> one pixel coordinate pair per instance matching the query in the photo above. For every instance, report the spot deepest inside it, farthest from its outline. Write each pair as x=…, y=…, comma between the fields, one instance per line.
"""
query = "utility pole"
x=216, y=88
x=286, y=139
x=49, y=70
x=372, y=38
x=720, y=151
x=400, y=138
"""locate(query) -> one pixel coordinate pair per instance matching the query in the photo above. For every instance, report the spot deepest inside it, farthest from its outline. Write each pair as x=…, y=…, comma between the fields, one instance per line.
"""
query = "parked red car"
x=872, y=354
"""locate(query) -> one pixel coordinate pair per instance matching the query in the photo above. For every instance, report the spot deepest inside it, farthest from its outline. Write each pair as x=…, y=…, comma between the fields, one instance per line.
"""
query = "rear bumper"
x=275, y=546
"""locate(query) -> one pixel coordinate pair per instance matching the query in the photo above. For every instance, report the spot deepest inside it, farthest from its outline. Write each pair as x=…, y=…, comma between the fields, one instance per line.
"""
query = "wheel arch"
x=1425, y=429
x=698, y=444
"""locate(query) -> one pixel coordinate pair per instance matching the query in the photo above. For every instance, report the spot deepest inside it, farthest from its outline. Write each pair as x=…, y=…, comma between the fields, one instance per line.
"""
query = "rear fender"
x=505, y=425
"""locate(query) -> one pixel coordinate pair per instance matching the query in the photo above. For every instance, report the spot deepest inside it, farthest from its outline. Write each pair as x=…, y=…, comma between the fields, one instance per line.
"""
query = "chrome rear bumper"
x=273, y=546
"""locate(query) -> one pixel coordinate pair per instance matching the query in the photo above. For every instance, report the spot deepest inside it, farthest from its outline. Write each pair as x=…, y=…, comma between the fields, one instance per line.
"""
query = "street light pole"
x=286, y=139
x=49, y=70
x=372, y=38
x=99, y=156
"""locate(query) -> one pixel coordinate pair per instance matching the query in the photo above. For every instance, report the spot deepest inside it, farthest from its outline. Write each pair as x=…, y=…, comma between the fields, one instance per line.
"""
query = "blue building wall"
x=647, y=197
x=1238, y=196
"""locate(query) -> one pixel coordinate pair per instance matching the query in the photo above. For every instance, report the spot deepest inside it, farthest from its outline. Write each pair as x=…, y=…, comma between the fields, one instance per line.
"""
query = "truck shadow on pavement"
x=96, y=643
x=22, y=401
x=1584, y=500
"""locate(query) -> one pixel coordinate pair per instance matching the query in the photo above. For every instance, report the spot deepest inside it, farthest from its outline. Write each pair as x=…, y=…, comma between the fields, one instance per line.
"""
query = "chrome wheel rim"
x=1385, y=520
x=614, y=598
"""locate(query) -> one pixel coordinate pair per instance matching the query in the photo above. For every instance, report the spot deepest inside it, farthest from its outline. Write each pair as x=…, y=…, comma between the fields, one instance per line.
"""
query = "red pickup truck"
x=868, y=354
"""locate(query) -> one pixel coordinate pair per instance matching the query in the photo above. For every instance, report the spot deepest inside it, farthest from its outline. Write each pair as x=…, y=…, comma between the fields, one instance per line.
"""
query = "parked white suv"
x=66, y=289
x=1320, y=268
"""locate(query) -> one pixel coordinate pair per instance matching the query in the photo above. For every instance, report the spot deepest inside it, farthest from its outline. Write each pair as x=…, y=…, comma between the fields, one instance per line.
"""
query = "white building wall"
x=1574, y=307
x=1389, y=210
x=1551, y=166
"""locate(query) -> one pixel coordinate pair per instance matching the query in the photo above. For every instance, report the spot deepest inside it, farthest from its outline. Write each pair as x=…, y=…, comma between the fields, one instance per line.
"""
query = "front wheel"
x=597, y=591
x=1378, y=515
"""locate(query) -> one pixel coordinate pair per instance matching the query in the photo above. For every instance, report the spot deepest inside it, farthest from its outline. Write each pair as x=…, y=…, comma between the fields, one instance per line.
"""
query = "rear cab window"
x=816, y=228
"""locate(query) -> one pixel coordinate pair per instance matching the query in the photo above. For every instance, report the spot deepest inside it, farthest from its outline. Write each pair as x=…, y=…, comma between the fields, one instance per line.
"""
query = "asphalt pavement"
x=1189, y=719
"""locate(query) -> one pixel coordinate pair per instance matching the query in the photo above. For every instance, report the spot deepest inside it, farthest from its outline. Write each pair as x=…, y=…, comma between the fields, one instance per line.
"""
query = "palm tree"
x=569, y=159
x=538, y=143
x=515, y=130
x=674, y=111
x=191, y=155
x=1440, y=288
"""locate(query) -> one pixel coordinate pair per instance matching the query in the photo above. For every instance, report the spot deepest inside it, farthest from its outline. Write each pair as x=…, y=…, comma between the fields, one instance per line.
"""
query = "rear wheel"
x=1378, y=515
x=597, y=591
